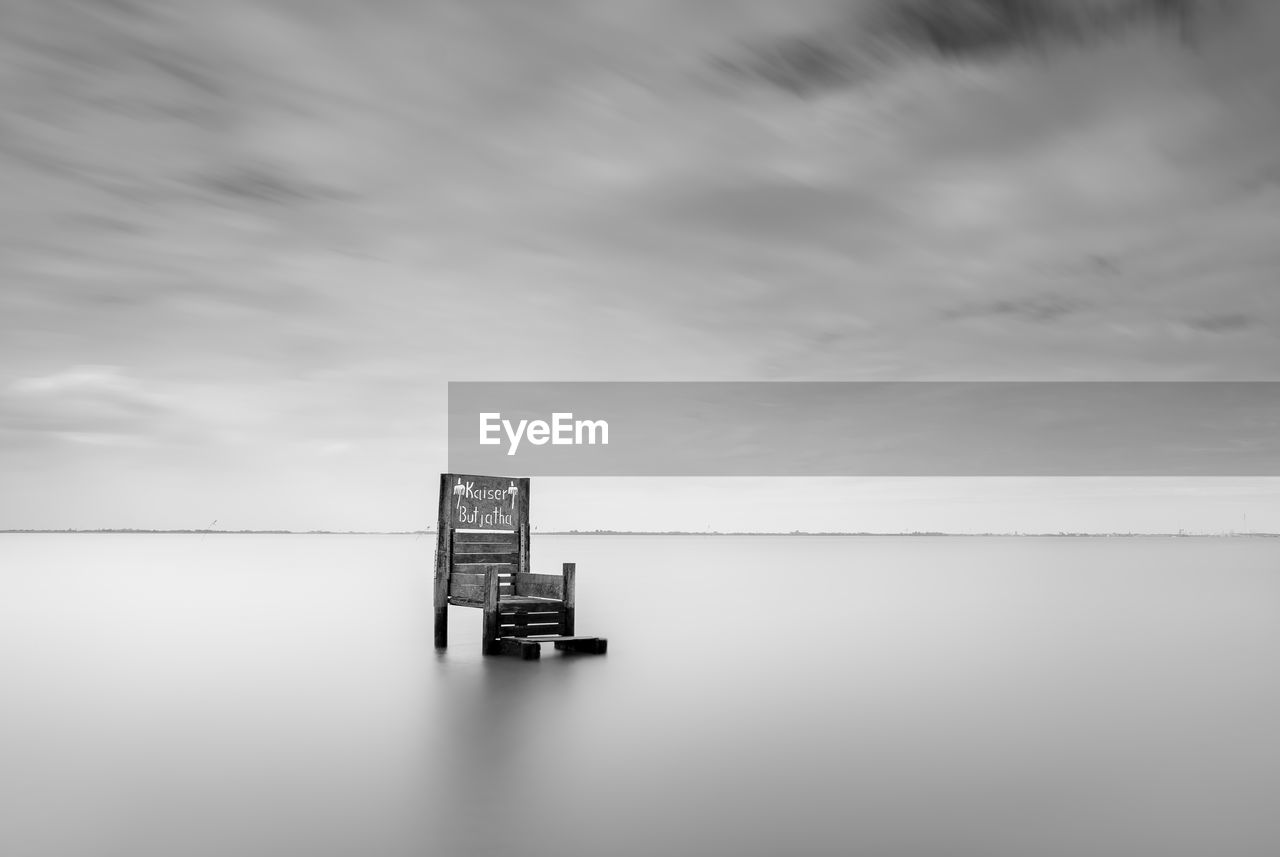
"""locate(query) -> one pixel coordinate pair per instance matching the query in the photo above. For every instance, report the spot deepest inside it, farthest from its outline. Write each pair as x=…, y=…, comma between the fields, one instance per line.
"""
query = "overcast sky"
x=244, y=245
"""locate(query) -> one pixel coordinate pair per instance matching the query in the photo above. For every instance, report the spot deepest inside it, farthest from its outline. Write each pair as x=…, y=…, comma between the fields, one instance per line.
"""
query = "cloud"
x=1040, y=309
x=81, y=379
x=1222, y=323
x=97, y=405
x=865, y=40
x=287, y=226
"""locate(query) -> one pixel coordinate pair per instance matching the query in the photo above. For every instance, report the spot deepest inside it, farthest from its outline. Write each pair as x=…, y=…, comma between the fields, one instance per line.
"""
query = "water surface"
x=278, y=695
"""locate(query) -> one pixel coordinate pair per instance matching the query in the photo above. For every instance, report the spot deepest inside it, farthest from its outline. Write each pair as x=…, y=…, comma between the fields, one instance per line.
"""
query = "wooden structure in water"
x=482, y=561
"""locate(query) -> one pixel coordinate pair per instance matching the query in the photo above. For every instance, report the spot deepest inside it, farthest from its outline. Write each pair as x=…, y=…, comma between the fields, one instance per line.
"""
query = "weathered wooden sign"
x=484, y=503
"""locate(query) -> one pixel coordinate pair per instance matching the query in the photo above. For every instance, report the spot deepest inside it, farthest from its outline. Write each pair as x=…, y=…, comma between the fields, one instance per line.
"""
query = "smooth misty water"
x=279, y=695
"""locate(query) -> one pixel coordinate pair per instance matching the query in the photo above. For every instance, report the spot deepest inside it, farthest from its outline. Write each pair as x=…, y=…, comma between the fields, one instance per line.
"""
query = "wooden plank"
x=553, y=588
x=490, y=537
x=548, y=636
x=524, y=600
x=530, y=621
x=467, y=548
x=541, y=578
x=544, y=585
x=466, y=578
x=462, y=602
x=529, y=630
x=537, y=622
x=444, y=565
x=538, y=614
x=504, y=556
x=562, y=639
x=474, y=592
x=480, y=569
x=466, y=592
x=485, y=558
x=532, y=618
x=569, y=638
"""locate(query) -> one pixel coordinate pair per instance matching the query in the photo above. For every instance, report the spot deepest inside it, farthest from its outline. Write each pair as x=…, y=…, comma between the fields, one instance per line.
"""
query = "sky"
x=245, y=245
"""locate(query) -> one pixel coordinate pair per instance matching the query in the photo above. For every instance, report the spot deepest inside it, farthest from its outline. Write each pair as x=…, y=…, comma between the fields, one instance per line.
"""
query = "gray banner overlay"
x=866, y=428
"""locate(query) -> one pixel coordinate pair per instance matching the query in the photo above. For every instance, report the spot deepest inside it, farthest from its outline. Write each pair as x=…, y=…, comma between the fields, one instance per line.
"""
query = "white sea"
x=241, y=695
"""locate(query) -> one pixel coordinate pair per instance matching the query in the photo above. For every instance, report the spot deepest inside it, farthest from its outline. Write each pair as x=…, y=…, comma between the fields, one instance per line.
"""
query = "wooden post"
x=522, y=527
x=444, y=561
x=570, y=585
x=489, y=643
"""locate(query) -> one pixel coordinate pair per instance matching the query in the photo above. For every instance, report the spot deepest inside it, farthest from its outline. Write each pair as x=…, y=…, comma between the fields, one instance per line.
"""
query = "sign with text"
x=484, y=503
x=865, y=429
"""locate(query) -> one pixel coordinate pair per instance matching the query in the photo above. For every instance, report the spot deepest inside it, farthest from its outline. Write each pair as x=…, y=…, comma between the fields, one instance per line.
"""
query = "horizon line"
x=432, y=532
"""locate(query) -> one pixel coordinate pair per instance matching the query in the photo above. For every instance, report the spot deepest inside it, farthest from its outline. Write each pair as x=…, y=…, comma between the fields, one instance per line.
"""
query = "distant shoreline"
x=1061, y=535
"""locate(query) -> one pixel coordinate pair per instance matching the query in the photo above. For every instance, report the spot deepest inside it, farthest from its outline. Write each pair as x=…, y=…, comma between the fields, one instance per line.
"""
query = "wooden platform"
x=530, y=648
x=482, y=562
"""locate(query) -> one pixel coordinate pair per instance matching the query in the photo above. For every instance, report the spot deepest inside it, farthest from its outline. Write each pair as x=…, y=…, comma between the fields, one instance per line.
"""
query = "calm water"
x=273, y=695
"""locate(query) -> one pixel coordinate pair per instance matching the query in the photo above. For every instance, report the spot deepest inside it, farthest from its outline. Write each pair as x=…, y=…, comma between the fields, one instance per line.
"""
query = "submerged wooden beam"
x=526, y=650
x=576, y=645
x=583, y=645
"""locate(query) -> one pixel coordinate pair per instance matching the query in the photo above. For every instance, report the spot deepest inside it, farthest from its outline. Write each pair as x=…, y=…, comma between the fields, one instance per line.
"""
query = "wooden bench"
x=482, y=561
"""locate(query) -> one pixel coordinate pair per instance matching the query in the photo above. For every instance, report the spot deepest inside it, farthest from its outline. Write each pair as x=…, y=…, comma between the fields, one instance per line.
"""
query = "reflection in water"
x=271, y=695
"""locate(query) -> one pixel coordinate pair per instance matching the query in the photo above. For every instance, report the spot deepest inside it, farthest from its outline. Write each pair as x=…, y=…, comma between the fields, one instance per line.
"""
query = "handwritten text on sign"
x=484, y=503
